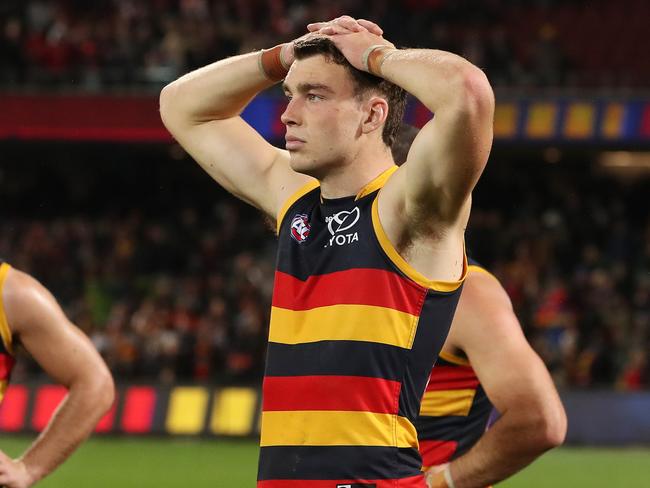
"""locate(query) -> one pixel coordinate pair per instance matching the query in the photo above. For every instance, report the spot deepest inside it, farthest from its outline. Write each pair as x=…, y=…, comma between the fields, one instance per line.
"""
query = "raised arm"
x=515, y=380
x=70, y=359
x=202, y=111
x=451, y=150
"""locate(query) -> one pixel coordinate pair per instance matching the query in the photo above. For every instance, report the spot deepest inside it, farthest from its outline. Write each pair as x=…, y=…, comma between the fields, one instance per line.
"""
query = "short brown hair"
x=403, y=141
x=363, y=82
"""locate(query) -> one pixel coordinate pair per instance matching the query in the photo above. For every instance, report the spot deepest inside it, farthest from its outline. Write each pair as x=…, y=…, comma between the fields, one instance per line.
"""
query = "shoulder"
x=20, y=287
x=482, y=291
x=293, y=199
x=25, y=299
x=484, y=312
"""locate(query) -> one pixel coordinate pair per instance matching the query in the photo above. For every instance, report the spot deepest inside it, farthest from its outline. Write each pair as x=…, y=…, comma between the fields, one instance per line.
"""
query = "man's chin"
x=300, y=164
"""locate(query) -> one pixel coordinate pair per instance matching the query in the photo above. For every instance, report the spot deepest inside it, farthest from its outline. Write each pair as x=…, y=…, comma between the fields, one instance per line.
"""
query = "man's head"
x=335, y=108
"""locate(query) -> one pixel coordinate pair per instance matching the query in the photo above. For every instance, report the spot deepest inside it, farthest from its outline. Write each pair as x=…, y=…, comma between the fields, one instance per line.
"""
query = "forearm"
x=439, y=79
x=216, y=91
x=70, y=425
x=510, y=445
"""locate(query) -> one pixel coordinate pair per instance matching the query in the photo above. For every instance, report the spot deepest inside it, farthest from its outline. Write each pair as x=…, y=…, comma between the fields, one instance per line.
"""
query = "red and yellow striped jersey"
x=455, y=410
x=354, y=333
x=7, y=360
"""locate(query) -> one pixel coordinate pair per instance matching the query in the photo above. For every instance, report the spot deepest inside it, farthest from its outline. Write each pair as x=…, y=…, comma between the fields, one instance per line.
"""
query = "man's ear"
x=377, y=111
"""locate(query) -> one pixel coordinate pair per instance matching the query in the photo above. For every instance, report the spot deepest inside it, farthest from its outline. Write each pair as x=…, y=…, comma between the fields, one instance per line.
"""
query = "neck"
x=348, y=179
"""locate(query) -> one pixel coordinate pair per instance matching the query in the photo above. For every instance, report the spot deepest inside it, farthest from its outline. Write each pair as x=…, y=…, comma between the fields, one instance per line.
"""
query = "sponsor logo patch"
x=341, y=222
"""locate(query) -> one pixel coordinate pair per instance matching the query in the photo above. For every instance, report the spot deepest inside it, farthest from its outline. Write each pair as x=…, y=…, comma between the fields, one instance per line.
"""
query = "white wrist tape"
x=366, y=55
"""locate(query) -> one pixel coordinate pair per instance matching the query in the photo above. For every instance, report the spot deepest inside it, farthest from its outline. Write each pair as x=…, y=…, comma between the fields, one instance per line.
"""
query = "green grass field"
x=162, y=462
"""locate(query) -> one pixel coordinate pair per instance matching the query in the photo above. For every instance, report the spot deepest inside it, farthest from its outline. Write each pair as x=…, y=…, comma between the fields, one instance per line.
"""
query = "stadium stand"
x=96, y=46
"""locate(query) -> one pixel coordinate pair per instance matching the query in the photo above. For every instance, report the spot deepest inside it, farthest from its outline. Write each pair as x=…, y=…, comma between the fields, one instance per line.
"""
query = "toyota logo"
x=344, y=220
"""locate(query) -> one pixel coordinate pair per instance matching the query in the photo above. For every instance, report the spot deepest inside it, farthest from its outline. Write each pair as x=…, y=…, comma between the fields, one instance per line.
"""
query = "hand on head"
x=345, y=25
x=355, y=38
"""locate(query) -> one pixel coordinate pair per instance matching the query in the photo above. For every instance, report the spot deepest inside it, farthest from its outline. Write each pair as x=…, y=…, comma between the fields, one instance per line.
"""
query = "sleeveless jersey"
x=455, y=410
x=7, y=360
x=354, y=333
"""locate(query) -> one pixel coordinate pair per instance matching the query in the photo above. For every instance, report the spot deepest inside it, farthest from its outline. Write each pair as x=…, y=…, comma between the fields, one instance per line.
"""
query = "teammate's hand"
x=14, y=473
x=435, y=477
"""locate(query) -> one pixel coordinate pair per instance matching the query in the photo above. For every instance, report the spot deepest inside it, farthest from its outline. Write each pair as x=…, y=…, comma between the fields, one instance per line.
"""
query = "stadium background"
x=171, y=277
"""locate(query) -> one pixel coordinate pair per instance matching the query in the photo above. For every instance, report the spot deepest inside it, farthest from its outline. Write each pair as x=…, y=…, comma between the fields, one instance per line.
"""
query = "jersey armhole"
x=453, y=358
x=5, y=331
x=480, y=269
x=302, y=191
x=406, y=268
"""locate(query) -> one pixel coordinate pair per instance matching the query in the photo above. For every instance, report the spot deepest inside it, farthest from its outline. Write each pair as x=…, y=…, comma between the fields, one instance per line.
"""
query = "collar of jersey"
x=377, y=183
x=371, y=187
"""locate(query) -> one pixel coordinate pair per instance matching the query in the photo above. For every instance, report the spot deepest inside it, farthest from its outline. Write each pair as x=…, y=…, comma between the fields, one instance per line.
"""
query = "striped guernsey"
x=354, y=333
x=7, y=360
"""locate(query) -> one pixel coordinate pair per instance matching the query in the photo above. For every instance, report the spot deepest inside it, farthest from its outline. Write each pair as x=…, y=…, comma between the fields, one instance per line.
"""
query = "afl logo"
x=300, y=228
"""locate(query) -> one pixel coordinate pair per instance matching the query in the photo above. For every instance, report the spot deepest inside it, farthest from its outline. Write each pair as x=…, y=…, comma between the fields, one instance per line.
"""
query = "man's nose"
x=290, y=114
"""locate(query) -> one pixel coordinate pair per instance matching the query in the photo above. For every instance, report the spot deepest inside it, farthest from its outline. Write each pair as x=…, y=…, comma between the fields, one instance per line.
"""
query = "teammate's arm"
x=516, y=382
x=69, y=358
x=202, y=111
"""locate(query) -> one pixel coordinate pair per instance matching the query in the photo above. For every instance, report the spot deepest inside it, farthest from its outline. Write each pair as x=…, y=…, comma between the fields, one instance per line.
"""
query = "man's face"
x=323, y=117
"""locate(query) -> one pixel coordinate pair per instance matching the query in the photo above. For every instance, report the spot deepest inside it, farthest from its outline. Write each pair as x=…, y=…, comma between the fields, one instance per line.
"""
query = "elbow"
x=475, y=94
x=549, y=427
x=556, y=428
x=101, y=391
x=165, y=103
x=107, y=392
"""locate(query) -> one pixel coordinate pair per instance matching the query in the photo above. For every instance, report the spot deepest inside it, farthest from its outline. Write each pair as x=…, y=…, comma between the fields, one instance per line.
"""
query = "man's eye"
x=311, y=97
x=288, y=96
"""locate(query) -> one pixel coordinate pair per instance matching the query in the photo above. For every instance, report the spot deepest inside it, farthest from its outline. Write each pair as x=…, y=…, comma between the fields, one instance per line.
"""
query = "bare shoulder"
x=484, y=313
x=25, y=300
x=482, y=290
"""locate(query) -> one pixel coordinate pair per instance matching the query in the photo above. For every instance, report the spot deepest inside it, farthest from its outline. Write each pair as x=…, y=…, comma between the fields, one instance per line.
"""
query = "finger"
x=332, y=30
x=371, y=26
x=316, y=26
x=350, y=24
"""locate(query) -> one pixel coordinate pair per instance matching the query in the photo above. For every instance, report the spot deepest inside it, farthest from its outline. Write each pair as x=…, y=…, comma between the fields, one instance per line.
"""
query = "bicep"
x=506, y=365
x=511, y=372
x=242, y=161
x=60, y=348
x=448, y=156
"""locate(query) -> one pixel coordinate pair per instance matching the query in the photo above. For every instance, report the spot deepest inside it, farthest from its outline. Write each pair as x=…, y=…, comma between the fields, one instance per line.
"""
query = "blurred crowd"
x=75, y=45
x=572, y=249
x=179, y=298
x=183, y=294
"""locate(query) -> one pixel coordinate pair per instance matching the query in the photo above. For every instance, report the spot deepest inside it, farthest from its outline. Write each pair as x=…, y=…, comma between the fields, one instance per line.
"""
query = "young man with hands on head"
x=371, y=258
